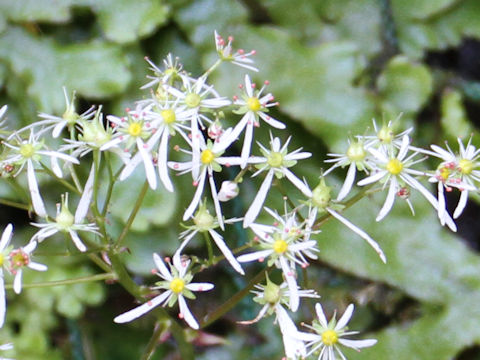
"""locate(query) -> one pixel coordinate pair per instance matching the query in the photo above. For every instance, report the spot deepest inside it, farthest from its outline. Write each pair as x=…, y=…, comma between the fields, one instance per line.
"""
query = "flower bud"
x=321, y=195
x=215, y=130
x=228, y=191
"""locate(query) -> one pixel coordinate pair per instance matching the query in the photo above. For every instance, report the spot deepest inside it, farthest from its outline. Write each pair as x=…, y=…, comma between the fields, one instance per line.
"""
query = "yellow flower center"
x=19, y=259
x=280, y=246
x=192, y=100
x=444, y=173
x=275, y=159
x=2, y=259
x=466, y=166
x=254, y=104
x=207, y=156
x=356, y=152
x=329, y=337
x=177, y=285
x=168, y=116
x=27, y=150
x=394, y=166
x=135, y=129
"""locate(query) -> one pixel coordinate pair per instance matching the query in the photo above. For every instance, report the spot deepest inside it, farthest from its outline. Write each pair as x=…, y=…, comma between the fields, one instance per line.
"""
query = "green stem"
x=234, y=300
x=75, y=179
x=153, y=342
x=60, y=180
x=209, y=247
x=212, y=68
x=83, y=279
x=14, y=204
x=132, y=216
x=112, y=178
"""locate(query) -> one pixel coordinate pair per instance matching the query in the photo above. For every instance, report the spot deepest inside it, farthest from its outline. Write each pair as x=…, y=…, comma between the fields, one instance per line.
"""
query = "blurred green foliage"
x=333, y=65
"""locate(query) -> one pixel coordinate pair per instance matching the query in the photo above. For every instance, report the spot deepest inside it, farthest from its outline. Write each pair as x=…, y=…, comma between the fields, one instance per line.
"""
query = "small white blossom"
x=177, y=285
x=228, y=191
x=329, y=335
x=4, y=253
x=239, y=57
x=19, y=258
x=276, y=161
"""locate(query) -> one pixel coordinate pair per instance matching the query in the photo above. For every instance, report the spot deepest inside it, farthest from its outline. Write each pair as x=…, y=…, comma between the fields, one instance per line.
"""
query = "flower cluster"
x=185, y=126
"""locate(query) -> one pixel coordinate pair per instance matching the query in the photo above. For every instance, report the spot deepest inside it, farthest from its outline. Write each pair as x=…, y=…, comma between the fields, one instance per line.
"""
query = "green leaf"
x=454, y=119
x=36, y=10
x=404, y=86
x=95, y=70
x=125, y=21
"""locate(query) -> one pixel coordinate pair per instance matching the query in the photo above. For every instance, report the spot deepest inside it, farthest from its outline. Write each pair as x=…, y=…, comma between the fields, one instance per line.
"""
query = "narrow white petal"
x=84, y=202
x=372, y=178
x=404, y=147
x=357, y=344
x=271, y=121
x=321, y=315
x=248, y=86
x=347, y=184
x=360, y=232
x=441, y=203
x=76, y=240
x=6, y=236
x=57, y=130
x=186, y=314
x=37, y=200
x=56, y=167
x=290, y=277
x=257, y=203
x=300, y=185
x=294, y=347
x=162, y=162
x=347, y=315
x=161, y=267
x=199, y=286
x=247, y=141
x=130, y=166
x=226, y=251
x=178, y=252
x=36, y=266
x=196, y=197
x=461, y=204
x=142, y=309
x=17, y=282
x=387, y=206
x=3, y=300
x=262, y=254
x=308, y=336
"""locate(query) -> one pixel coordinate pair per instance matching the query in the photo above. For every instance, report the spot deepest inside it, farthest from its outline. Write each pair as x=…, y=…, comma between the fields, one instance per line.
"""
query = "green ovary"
x=275, y=159
x=27, y=150
x=192, y=100
x=466, y=166
x=168, y=116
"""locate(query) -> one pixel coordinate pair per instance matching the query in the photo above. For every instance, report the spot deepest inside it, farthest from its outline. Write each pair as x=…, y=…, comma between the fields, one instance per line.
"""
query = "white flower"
x=329, y=335
x=30, y=152
x=196, y=97
x=238, y=57
x=177, y=285
x=228, y=191
x=385, y=137
x=4, y=252
x=284, y=245
x=393, y=170
x=321, y=202
x=459, y=171
x=204, y=222
x=253, y=107
x=130, y=131
x=208, y=160
x=274, y=297
x=172, y=70
x=276, y=162
x=19, y=258
x=65, y=222
x=356, y=158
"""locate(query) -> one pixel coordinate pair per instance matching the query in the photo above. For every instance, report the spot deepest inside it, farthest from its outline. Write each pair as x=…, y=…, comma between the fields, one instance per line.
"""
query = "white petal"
x=248, y=86
x=441, y=203
x=387, y=206
x=403, y=148
x=161, y=267
x=148, y=164
x=186, y=314
x=257, y=203
x=262, y=254
x=360, y=232
x=461, y=204
x=347, y=315
x=84, y=203
x=142, y=309
x=17, y=282
x=130, y=166
x=247, y=142
x=178, y=253
x=372, y=178
x=6, y=236
x=37, y=201
x=347, y=184
x=199, y=286
x=357, y=344
x=57, y=130
x=196, y=198
x=271, y=121
x=76, y=240
x=298, y=183
x=294, y=347
x=321, y=315
x=55, y=167
x=162, y=162
x=289, y=275
x=36, y=266
x=3, y=300
x=226, y=251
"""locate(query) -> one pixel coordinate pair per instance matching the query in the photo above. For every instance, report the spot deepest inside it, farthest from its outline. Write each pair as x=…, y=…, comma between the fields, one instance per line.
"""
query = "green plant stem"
x=206, y=236
x=132, y=216
x=83, y=279
x=153, y=342
x=14, y=204
x=75, y=179
x=234, y=300
x=112, y=179
x=60, y=180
